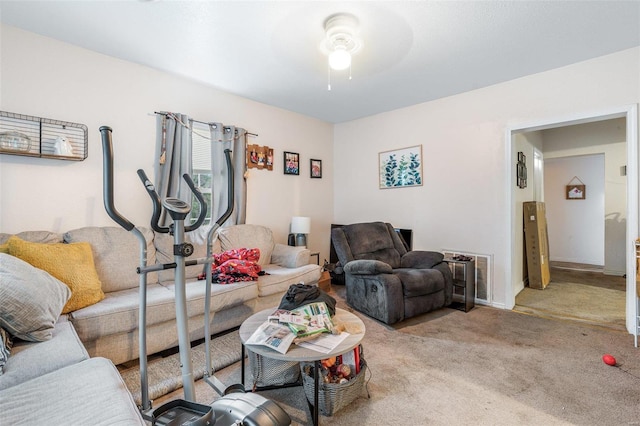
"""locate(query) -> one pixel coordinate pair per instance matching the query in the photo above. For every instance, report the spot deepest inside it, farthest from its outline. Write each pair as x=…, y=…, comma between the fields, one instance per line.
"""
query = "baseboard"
x=576, y=266
x=614, y=272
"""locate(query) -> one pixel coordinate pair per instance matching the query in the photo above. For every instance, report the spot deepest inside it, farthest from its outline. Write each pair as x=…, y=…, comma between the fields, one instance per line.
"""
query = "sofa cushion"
x=223, y=296
x=31, y=298
x=248, y=236
x=279, y=278
x=372, y=241
x=87, y=393
x=290, y=256
x=420, y=282
x=117, y=255
x=164, y=249
x=45, y=237
x=118, y=312
x=70, y=263
x=33, y=359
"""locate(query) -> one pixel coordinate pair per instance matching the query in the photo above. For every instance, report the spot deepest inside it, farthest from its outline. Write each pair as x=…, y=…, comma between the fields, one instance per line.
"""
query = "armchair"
x=383, y=279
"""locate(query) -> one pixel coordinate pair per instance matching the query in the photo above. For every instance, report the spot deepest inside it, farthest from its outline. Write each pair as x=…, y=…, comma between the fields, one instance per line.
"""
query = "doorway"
x=515, y=262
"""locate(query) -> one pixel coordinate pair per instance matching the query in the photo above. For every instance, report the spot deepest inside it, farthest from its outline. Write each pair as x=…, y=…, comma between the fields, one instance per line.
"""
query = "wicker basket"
x=272, y=372
x=334, y=396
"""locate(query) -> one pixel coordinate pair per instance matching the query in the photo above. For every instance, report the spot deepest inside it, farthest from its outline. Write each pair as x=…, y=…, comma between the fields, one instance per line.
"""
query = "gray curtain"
x=233, y=138
x=173, y=154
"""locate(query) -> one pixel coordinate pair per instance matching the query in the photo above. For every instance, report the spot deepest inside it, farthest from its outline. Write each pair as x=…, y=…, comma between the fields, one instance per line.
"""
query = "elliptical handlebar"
x=107, y=148
x=155, y=199
x=201, y=201
x=107, y=171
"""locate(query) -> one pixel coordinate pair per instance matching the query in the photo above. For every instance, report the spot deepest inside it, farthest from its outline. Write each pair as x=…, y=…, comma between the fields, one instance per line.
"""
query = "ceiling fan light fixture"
x=340, y=42
x=340, y=59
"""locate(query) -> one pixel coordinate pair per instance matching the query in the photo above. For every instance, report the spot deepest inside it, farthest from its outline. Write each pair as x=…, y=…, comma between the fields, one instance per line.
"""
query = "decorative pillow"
x=31, y=299
x=4, y=248
x=257, y=236
x=5, y=348
x=70, y=263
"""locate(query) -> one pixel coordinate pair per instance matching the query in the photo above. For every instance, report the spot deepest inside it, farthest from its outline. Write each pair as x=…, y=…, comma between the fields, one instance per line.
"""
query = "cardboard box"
x=536, y=244
x=325, y=282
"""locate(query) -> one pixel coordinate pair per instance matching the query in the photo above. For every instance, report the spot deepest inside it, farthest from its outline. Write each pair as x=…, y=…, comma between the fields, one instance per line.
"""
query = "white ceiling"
x=268, y=51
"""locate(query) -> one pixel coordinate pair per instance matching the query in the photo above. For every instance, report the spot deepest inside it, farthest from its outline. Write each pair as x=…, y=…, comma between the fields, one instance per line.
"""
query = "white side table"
x=298, y=353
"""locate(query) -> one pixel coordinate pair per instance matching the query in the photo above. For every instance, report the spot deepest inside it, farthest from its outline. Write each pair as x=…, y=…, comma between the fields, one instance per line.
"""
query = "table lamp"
x=300, y=226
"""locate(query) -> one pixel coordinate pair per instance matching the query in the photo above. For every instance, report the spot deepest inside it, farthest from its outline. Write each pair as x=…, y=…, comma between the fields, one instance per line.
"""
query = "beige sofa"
x=109, y=328
x=69, y=377
x=48, y=376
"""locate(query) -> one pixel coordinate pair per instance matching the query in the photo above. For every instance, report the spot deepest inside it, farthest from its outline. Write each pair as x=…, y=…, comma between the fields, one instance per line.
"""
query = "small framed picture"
x=316, y=168
x=259, y=157
x=291, y=163
x=575, y=192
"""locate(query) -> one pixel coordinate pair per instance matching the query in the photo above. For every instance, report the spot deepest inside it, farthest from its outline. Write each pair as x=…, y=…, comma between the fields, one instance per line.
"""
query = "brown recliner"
x=383, y=279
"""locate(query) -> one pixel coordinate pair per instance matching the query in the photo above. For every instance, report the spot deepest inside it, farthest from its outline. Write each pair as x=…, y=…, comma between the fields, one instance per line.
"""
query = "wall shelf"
x=39, y=137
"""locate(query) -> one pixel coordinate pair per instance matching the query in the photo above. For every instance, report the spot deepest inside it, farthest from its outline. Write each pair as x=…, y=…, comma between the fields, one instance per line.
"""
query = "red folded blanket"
x=235, y=265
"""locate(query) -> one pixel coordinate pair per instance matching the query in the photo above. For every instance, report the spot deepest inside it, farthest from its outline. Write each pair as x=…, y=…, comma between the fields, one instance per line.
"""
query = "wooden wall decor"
x=259, y=157
x=575, y=192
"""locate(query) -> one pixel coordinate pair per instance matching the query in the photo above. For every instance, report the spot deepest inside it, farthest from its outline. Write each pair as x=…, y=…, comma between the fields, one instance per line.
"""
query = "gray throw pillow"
x=32, y=299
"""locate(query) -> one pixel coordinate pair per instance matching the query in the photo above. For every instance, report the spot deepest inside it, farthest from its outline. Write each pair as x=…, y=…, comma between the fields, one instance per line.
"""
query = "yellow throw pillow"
x=70, y=263
x=4, y=248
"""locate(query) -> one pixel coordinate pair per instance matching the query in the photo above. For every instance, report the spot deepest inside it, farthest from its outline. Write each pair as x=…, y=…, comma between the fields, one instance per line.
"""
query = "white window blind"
x=200, y=147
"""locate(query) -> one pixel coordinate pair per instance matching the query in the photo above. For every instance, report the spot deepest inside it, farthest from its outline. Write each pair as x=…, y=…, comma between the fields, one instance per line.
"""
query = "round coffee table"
x=298, y=353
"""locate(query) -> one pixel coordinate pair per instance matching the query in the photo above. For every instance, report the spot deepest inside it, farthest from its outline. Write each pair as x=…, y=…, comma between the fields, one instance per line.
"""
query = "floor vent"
x=483, y=274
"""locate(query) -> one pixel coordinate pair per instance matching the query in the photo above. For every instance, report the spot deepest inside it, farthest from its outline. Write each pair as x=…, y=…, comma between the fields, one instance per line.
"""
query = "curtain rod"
x=202, y=122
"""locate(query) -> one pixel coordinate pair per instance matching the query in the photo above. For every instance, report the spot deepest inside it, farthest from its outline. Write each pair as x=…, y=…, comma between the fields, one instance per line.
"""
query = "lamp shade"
x=300, y=225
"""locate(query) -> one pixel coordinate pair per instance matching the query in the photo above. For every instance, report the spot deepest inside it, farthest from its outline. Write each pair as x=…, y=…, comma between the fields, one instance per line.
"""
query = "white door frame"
x=630, y=112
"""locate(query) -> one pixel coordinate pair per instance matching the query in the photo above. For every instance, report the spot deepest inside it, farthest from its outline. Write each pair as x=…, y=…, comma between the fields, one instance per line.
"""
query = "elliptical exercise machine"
x=234, y=407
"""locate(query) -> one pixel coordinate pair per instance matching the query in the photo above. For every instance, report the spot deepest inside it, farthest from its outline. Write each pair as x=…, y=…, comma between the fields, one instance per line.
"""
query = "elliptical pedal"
x=183, y=413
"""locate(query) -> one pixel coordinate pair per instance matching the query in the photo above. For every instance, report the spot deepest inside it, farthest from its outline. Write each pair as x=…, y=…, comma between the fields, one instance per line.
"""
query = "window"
x=201, y=163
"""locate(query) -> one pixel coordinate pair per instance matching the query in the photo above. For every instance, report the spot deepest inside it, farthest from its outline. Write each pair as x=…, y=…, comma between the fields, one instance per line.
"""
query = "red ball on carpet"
x=608, y=359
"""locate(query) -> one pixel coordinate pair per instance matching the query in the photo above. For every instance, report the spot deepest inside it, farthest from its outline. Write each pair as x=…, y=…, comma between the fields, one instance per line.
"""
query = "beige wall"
x=46, y=78
x=464, y=203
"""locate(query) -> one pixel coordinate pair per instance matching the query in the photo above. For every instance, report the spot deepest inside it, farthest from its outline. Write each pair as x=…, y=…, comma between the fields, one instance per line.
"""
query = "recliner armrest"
x=421, y=259
x=290, y=256
x=367, y=267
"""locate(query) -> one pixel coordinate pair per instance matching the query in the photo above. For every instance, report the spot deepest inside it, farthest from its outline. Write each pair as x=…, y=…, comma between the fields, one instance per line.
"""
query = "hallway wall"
x=607, y=137
x=575, y=227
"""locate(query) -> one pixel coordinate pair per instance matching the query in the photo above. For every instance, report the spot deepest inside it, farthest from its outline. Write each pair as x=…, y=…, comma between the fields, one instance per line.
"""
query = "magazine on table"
x=318, y=320
x=272, y=335
x=282, y=328
x=324, y=343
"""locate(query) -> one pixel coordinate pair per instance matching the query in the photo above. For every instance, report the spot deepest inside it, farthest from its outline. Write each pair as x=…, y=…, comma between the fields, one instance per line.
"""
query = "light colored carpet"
x=164, y=374
x=577, y=302
x=484, y=367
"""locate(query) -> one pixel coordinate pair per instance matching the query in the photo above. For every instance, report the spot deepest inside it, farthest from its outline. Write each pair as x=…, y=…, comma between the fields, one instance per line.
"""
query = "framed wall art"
x=521, y=170
x=316, y=168
x=259, y=157
x=574, y=191
x=400, y=167
x=291, y=163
